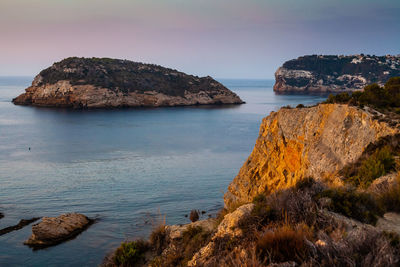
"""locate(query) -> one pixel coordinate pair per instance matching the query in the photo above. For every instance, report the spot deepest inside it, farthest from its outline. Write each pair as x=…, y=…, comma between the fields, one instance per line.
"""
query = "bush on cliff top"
x=131, y=253
x=378, y=164
x=373, y=95
x=350, y=203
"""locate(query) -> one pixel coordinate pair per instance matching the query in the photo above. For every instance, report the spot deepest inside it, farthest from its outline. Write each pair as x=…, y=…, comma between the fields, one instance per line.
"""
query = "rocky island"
x=86, y=83
x=321, y=188
x=329, y=73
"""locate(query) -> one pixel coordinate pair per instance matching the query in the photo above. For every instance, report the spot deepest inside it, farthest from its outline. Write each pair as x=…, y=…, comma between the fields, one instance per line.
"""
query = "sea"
x=127, y=168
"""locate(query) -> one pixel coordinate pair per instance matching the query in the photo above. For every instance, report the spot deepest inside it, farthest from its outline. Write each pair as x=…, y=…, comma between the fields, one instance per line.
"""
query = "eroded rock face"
x=322, y=74
x=228, y=227
x=113, y=83
x=53, y=230
x=304, y=142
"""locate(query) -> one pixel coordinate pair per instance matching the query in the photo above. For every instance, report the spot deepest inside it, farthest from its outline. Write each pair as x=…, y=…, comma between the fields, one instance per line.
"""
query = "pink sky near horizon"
x=221, y=38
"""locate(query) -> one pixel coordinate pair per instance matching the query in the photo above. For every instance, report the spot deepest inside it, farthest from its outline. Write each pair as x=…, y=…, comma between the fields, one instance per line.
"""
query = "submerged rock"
x=112, y=83
x=22, y=223
x=53, y=230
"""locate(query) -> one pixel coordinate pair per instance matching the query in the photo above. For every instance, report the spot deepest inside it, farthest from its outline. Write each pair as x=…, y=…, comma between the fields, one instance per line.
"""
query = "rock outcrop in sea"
x=329, y=73
x=113, y=83
x=54, y=230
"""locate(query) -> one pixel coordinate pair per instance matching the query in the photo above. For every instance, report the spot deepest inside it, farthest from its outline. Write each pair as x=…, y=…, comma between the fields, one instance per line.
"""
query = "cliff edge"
x=305, y=142
x=111, y=83
x=329, y=73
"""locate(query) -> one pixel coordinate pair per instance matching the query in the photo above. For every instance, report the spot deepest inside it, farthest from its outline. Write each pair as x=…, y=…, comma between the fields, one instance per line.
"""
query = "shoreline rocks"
x=89, y=83
x=54, y=230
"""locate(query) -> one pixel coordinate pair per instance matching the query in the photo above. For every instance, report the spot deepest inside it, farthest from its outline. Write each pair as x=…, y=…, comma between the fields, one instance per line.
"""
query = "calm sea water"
x=124, y=167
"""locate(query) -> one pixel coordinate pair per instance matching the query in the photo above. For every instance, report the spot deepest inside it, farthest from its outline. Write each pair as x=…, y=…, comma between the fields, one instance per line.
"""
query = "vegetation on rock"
x=381, y=162
x=383, y=98
x=331, y=73
x=124, y=76
x=131, y=253
x=350, y=203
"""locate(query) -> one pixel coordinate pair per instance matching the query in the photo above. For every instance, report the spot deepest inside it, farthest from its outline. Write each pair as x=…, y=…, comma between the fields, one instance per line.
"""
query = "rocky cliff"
x=322, y=73
x=291, y=203
x=304, y=142
x=109, y=83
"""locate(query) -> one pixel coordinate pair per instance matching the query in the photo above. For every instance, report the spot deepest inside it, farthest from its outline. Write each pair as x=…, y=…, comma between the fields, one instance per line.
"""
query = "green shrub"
x=339, y=98
x=373, y=95
x=350, y=203
x=131, y=253
x=378, y=164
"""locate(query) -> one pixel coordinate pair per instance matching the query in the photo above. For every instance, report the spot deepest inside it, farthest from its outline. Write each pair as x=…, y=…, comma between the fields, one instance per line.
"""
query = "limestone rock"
x=228, y=227
x=53, y=230
x=297, y=143
x=230, y=223
x=390, y=222
x=323, y=73
x=112, y=83
x=176, y=231
x=383, y=183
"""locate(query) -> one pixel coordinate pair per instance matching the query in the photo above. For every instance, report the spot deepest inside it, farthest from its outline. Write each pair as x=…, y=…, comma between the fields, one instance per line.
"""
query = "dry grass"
x=284, y=243
x=390, y=199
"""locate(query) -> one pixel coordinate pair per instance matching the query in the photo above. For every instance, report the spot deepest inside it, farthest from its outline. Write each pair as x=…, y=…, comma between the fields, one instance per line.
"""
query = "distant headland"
x=112, y=83
x=330, y=73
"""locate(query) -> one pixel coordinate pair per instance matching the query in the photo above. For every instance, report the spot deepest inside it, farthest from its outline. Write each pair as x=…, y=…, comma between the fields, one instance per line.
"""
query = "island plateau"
x=85, y=83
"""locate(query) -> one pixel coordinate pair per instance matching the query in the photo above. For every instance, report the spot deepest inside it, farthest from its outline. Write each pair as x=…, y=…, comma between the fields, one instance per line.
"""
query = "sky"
x=221, y=38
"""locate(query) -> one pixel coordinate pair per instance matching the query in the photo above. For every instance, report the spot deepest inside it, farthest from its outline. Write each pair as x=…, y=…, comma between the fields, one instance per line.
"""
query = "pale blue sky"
x=221, y=38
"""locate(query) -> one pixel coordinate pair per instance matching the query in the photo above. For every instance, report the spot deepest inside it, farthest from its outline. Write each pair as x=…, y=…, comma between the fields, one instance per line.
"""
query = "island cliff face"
x=324, y=73
x=111, y=83
x=304, y=142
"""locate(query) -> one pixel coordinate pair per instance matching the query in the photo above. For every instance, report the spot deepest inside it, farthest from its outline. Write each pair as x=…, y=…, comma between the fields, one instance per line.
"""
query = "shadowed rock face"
x=322, y=74
x=304, y=142
x=110, y=83
x=53, y=230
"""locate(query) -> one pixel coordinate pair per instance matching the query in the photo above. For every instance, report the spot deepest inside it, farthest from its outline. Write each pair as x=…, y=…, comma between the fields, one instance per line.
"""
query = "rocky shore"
x=329, y=73
x=321, y=188
x=85, y=83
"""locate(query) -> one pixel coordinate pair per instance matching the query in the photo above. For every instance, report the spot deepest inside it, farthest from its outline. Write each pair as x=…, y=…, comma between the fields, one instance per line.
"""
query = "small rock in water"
x=54, y=230
x=22, y=223
x=194, y=215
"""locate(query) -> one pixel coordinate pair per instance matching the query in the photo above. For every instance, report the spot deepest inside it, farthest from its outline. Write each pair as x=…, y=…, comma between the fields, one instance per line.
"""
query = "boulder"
x=53, y=230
